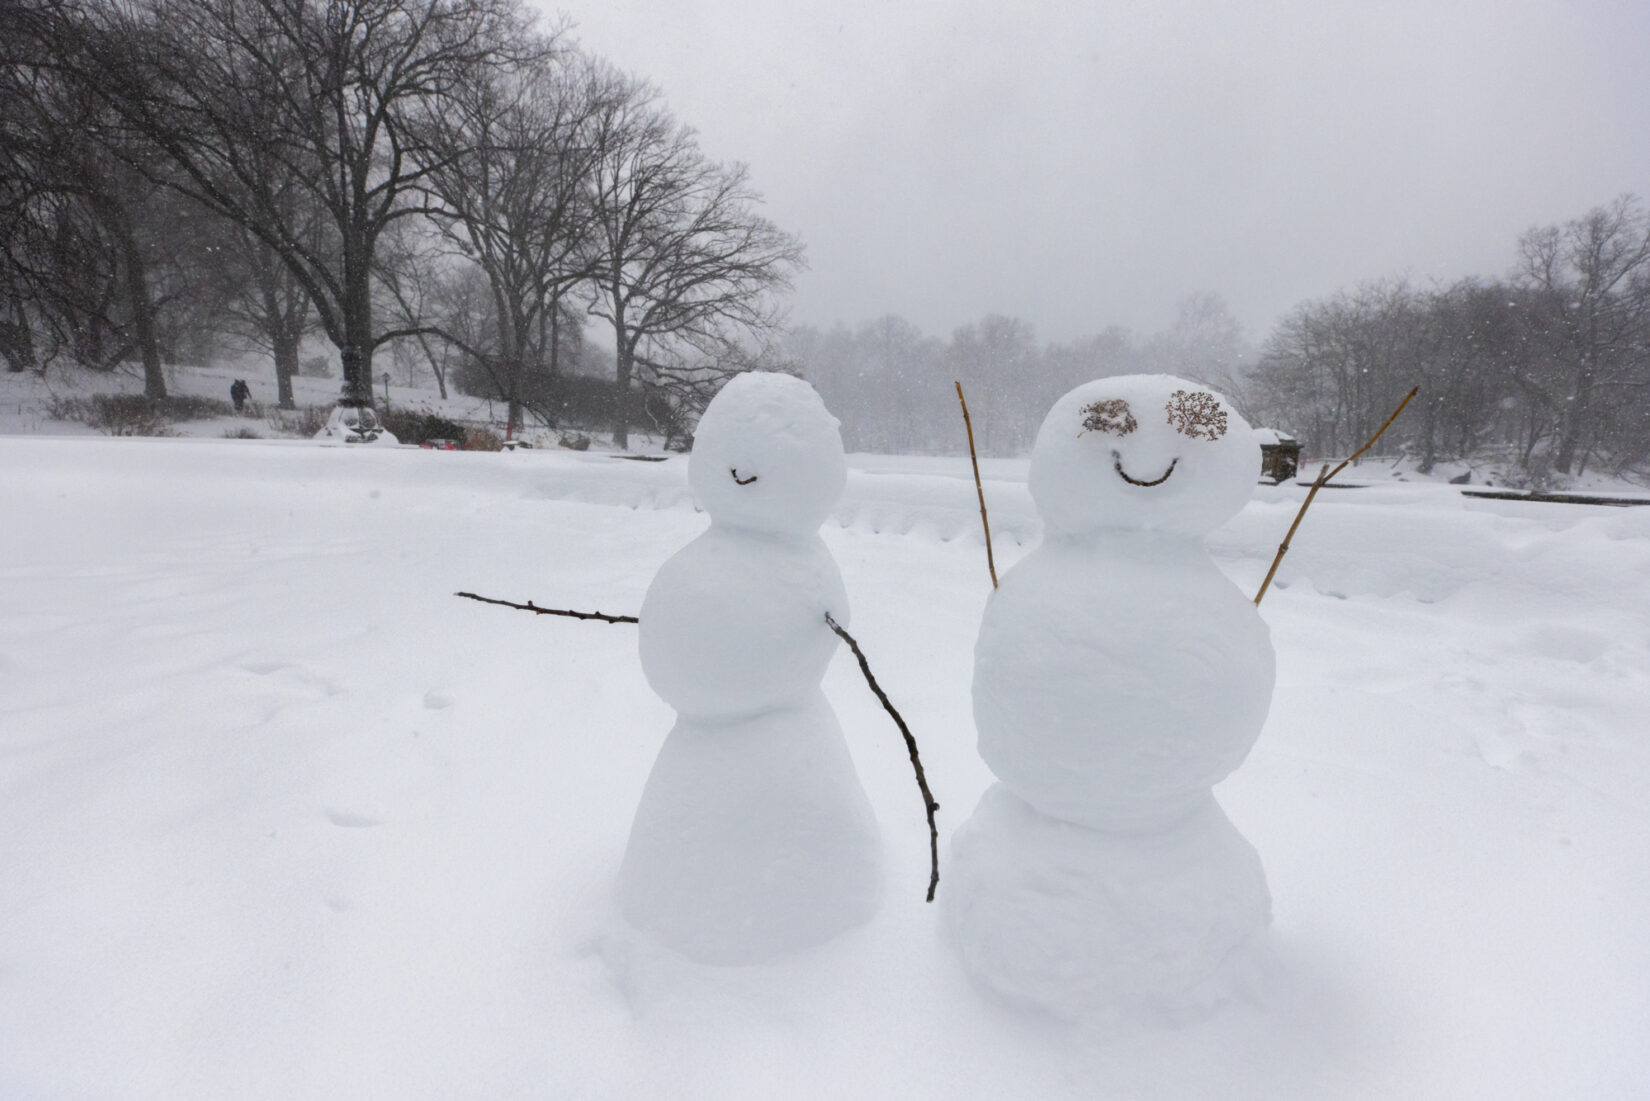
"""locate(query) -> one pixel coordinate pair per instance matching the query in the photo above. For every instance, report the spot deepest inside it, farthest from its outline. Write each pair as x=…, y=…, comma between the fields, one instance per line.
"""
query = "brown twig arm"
x=979, y=487
x=864, y=667
x=535, y=609
x=1283, y=547
x=1323, y=477
x=911, y=747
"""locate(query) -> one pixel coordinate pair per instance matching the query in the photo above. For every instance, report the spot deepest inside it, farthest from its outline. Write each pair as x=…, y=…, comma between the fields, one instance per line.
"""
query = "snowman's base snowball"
x=753, y=839
x=1155, y=926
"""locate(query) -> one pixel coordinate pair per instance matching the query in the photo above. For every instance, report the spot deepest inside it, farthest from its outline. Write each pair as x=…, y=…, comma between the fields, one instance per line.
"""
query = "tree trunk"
x=625, y=359
x=286, y=366
x=17, y=342
x=137, y=298
x=1576, y=417
x=1429, y=439
x=356, y=354
x=282, y=323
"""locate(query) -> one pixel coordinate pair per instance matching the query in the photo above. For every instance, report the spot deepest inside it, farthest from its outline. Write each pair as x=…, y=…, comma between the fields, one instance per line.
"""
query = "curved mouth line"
x=737, y=479
x=1117, y=463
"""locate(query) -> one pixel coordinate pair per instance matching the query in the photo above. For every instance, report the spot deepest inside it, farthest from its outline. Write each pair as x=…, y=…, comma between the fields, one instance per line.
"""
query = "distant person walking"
x=239, y=391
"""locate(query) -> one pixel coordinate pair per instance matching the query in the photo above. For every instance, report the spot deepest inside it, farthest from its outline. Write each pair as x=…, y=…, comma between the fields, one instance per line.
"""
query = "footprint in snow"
x=351, y=820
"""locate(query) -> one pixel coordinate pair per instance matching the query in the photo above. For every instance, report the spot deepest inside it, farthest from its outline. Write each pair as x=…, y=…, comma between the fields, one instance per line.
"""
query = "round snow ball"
x=767, y=456
x=734, y=624
x=1150, y=452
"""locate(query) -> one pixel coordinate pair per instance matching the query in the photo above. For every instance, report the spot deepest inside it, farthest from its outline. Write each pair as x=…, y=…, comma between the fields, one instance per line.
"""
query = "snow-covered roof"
x=1273, y=435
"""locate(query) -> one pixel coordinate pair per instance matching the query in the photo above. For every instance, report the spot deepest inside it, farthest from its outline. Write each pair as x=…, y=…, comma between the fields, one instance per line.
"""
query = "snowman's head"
x=767, y=456
x=1147, y=452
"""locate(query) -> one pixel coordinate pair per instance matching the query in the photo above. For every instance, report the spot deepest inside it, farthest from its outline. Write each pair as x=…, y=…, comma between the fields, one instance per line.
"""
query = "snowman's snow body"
x=1118, y=676
x=754, y=836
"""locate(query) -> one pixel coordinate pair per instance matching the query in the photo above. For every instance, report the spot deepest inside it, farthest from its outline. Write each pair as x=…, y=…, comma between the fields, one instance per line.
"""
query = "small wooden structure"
x=1280, y=455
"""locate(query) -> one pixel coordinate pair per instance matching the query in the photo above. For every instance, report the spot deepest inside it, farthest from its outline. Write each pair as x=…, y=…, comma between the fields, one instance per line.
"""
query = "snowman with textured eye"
x=754, y=836
x=1118, y=676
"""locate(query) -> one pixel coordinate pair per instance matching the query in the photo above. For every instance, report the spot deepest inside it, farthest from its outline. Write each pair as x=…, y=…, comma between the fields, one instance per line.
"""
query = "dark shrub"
x=419, y=425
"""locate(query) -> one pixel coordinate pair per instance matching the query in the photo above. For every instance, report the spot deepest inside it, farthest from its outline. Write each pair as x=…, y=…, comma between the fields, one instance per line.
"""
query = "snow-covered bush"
x=134, y=414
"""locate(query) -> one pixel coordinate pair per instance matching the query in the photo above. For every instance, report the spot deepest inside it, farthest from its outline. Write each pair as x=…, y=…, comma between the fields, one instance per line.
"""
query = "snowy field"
x=282, y=818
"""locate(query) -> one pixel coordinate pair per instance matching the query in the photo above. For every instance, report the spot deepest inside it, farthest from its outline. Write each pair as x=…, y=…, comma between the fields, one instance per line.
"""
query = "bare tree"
x=886, y=380
x=997, y=361
x=1333, y=369
x=73, y=190
x=685, y=267
x=1205, y=343
x=512, y=195
x=254, y=101
x=274, y=309
x=432, y=298
x=1590, y=280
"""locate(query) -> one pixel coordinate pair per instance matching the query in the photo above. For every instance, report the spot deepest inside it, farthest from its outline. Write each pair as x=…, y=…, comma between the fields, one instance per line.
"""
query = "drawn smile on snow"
x=1117, y=463
x=737, y=480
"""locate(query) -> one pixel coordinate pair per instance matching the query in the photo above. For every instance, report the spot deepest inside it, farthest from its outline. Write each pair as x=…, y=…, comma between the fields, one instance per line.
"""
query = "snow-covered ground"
x=282, y=818
x=26, y=399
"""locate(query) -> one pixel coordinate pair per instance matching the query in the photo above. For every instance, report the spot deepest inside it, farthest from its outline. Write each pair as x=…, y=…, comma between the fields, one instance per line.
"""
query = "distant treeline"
x=1546, y=370
x=1549, y=367
x=892, y=386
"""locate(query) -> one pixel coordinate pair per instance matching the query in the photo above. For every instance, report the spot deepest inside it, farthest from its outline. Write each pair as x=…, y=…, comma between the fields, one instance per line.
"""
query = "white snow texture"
x=1117, y=677
x=281, y=819
x=754, y=837
x=1087, y=922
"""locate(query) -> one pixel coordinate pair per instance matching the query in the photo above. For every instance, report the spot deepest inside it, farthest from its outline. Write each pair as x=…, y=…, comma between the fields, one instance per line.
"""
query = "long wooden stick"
x=910, y=747
x=979, y=488
x=864, y=667
x=1323, y=477
x=1283, y=547
x=1354, y=456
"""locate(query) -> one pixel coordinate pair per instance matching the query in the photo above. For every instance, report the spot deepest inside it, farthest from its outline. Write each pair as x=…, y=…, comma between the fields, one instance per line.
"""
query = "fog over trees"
x=458, y=187
x=1545, y=369
x=892, y=385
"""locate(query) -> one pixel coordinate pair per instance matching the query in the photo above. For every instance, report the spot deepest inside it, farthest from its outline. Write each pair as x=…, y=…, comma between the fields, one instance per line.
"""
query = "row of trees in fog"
x=1546, y=369
x=1549, y=366
x=891, y=385
x=448, y=175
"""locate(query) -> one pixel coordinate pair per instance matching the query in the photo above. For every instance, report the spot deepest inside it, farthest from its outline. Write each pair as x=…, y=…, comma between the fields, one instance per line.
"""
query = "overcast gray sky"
x=1083, y=164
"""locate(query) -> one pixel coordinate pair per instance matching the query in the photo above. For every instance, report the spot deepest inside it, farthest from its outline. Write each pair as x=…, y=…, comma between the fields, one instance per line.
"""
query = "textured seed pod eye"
x=1109, y=416
x=1196, y=414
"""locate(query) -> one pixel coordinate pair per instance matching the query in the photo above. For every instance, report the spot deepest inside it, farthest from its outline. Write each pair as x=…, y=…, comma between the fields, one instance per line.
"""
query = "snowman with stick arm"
x=753, y=837
x=1118, y=676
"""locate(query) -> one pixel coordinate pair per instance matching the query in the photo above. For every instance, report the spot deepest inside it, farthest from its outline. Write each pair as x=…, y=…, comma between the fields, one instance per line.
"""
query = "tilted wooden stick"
x=1323, y=477
x=979, y=487
x=864, y=667
x=1283, y=547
